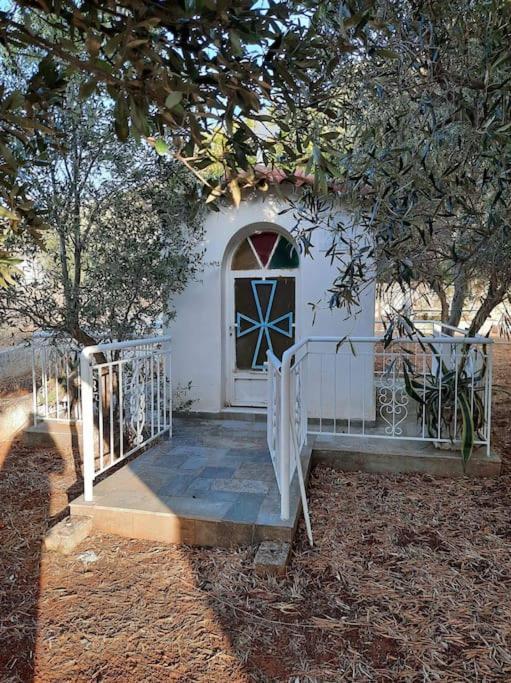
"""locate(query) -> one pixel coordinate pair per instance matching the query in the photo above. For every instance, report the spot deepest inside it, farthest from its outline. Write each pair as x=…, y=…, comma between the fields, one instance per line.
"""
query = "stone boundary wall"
x=15, y=361
x=15, y=415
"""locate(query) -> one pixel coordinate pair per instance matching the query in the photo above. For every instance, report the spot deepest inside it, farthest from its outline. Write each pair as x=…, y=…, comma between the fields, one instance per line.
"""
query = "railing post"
x=270, y=406
x=87, y=425
x=489, y=392
x=169, y=375
x=285, y=440
x=34, y=385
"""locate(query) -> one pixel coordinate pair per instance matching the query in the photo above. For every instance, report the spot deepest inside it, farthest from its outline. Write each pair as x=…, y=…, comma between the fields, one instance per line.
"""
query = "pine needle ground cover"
x=409, y=580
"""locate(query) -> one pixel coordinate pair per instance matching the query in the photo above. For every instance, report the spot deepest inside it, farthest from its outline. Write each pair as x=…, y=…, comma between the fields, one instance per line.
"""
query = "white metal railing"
x=126, y=401
x=273, y=414
x=426, y=327
x=436, y=328
x=56, y=393
x=287, y=433
x=416, y=389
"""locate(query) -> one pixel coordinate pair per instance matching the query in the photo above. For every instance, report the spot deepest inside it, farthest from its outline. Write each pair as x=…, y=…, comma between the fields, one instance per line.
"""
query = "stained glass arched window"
x=265, y=250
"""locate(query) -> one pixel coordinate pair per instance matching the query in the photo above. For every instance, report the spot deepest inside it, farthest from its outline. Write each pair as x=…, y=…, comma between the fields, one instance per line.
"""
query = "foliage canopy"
x=186, y=69
x=124, y=235
x=420, y=145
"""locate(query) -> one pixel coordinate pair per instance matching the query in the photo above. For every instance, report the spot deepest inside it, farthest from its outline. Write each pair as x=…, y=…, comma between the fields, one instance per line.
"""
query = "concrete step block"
x=65, y=536
x=272, y=558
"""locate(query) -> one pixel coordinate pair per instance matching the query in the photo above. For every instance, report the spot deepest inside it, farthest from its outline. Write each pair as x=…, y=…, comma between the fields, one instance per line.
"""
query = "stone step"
x=67, y=534
x=59, y=434
x=185, y=520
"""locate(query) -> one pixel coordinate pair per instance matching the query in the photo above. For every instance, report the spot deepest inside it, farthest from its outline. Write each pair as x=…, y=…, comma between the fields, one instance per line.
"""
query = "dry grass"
x=501, y=411
x=12, y=388
x=409, y=580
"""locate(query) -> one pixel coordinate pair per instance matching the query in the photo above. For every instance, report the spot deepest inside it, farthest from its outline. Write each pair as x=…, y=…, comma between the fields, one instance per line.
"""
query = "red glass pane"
x=263, y=244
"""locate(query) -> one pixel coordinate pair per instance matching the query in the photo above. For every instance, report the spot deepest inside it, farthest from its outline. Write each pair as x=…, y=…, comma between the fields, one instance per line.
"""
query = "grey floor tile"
x=194, y=463
x=176, y=486
x=168, y=459
x=199, y=485
x=225, y=496
x=201, y=451
x=218, y=472
x=197, y=507
x=247, y=456
x=245, y=508
x=240, y=485
x=251, y=470
x=127, y=480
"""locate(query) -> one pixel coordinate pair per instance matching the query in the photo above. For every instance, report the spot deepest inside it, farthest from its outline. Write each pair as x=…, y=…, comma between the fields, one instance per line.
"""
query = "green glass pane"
x=244, y=258
x=285, y=255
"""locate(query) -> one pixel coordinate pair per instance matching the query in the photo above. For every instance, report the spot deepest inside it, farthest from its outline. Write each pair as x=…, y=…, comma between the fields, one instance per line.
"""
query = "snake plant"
x=450, y=398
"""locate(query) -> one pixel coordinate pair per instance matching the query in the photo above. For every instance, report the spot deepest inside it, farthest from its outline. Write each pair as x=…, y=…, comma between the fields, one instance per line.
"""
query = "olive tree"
x=124, y=235
x=174, y=73
x=418, y=142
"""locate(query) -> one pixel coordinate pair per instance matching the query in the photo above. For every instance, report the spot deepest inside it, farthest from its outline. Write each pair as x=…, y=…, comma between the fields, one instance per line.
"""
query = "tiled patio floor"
x=212, y=484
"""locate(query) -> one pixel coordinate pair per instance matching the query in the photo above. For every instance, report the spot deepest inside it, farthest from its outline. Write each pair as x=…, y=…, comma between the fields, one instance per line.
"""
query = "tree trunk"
x=458, y=300
x=442, y=296
x=84, y=339
x=494, y=297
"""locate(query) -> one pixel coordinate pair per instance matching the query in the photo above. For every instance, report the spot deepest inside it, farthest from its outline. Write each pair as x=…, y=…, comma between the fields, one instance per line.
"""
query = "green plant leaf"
x=409, y=387
x=173, y=99
x=467, y=439
x=9, y=215
x=161, y=147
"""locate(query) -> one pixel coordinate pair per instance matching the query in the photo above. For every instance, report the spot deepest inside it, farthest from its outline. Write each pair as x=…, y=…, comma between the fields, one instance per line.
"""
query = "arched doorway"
x=260, y=310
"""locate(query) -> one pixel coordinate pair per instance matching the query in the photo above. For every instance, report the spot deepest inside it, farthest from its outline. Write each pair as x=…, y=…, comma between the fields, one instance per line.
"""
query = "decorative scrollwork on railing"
x=393, y=404
x=273, y=419
x=137, y=401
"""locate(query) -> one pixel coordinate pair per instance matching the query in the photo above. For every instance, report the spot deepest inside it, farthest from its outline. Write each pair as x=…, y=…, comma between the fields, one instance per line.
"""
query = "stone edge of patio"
x=379, y=456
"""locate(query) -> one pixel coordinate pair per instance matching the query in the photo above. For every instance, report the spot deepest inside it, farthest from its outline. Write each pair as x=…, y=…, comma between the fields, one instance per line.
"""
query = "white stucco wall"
x=200, y=328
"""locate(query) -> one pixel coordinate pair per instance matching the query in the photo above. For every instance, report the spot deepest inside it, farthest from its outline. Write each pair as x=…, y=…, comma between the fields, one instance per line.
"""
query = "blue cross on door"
x=283, y=324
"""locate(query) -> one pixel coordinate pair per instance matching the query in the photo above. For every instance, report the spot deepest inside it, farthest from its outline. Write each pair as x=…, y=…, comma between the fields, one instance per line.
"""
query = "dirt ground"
x=409, y=580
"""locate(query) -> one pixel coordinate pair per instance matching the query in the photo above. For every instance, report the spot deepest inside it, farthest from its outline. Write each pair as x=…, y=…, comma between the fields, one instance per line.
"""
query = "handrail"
x=273, y=422
x=285, y=444
x=130, y=343
x=286, y=434
x=440, y=324
x=274, y=360
x=433, y=340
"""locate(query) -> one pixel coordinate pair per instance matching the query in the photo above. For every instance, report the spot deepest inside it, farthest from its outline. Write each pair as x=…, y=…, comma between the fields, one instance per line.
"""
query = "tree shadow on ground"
x=26, y=514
